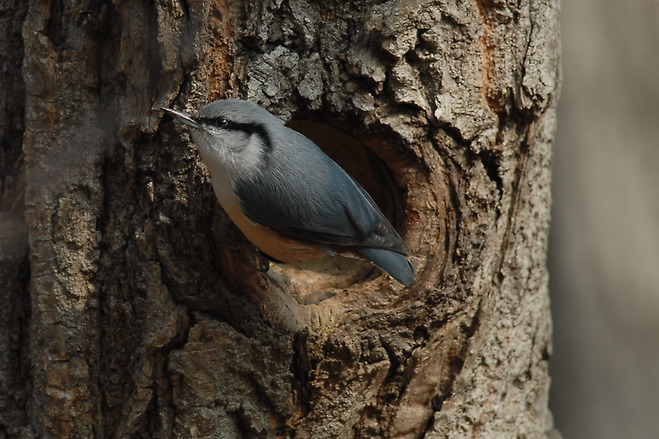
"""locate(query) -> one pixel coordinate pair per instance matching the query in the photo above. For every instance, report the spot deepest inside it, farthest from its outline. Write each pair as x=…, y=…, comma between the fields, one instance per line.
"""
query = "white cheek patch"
x=252, y=156
x=209, y=152
x=240, y=154
x=230, y=155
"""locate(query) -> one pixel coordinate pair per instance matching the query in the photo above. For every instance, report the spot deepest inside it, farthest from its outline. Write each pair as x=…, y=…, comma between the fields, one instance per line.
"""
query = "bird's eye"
x=220, y=122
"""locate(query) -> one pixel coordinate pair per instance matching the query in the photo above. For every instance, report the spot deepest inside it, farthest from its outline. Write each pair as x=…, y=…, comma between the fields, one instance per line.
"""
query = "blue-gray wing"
x=303, y=194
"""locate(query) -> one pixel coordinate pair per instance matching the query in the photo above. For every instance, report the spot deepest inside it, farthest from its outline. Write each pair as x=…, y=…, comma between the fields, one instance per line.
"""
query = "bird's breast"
x=270, y=242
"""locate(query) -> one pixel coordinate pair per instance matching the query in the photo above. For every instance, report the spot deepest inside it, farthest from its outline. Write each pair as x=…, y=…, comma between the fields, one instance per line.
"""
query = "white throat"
x=228, y=162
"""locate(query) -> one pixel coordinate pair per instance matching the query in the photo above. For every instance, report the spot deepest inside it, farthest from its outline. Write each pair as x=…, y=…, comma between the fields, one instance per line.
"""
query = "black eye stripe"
x=247, y=128
x=218, y=122
x=226, y=124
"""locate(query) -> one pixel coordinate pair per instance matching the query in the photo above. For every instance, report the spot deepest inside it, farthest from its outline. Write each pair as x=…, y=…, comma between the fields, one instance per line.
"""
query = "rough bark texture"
x=139, y=311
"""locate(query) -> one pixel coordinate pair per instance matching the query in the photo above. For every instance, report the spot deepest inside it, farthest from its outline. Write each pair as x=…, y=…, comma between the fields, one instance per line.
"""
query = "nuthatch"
x=290, y=199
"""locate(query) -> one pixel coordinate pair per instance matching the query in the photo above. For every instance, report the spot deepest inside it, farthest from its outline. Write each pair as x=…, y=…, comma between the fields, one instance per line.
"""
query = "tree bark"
x=132, y=307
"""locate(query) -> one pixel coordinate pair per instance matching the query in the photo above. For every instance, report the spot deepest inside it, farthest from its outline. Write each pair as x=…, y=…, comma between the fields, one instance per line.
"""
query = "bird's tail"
x=393, y=263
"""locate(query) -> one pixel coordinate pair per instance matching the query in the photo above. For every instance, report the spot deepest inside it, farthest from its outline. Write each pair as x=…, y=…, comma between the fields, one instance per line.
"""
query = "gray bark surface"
x=132, y=307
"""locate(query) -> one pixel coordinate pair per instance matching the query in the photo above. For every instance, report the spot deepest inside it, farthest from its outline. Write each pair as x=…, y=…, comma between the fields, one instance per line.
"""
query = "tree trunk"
x=132, y=307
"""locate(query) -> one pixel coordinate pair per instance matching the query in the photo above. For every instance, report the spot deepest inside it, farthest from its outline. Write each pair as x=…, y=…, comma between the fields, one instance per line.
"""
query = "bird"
x=290, y=199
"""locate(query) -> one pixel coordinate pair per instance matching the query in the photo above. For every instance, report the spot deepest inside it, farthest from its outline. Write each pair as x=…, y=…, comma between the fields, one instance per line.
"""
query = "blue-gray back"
x=303, y=193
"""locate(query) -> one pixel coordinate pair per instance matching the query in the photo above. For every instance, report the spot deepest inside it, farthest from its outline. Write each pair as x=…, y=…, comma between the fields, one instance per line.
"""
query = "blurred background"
x=604, y=244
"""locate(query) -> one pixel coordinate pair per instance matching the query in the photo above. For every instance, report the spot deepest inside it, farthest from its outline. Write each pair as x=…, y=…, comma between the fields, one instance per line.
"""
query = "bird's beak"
x=182, y=116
